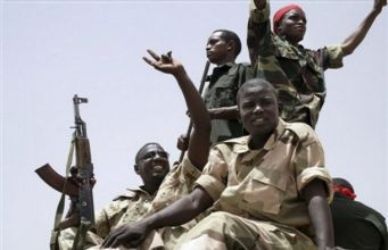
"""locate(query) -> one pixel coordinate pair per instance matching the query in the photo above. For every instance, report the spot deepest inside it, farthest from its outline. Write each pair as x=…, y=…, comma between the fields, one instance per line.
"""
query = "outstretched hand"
x=164, y=63
x=379, y=4
x=128, y=235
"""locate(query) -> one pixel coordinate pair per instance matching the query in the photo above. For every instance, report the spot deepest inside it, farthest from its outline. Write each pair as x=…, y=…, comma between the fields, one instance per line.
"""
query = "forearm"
x=227, y=113
x=320, y=215
x=196, y=107
x=352, y=42
x=181, y=211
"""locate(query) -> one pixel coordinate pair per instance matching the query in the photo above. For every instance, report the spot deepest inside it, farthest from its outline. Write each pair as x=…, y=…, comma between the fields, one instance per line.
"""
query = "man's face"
x=217, y=48
x=258, y=109
x=152, y=164
x=293, y=26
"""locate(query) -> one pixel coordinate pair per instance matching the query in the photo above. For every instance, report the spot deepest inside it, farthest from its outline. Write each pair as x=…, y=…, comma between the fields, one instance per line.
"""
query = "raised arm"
x=200, y=139
x=180, y=212
x=352, y=42
x=259, y=30
x=318, y=208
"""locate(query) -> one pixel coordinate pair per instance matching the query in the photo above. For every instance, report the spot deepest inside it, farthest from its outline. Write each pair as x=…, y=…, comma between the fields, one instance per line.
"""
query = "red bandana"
x=345, y=191
x=282, y=11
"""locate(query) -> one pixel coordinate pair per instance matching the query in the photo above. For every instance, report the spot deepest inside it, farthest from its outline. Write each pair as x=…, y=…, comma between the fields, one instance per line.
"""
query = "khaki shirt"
x=266, y=184
x=297, y=72
x=126, y=208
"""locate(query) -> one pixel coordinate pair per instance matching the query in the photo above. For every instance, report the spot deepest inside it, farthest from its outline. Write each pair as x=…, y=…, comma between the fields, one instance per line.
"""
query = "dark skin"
x=199, y=144
x=293, y=26
x=221, y=52
x=259, y=114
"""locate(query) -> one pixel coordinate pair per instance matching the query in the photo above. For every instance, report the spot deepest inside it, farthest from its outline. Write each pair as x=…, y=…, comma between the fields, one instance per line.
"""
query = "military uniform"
x=221, y=92
x=357, y=226
x=126, y=208
x=297, y=73
x=257, y=193
x=137, y=204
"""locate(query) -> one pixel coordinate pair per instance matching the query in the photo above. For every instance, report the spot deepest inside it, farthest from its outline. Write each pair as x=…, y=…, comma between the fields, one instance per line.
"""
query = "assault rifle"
x=78, y=187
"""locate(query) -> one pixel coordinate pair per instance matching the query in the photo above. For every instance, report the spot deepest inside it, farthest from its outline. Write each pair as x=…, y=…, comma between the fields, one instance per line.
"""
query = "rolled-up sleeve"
x=214, y=175
x=259, y=16
x=333, y=56
x=310, y=165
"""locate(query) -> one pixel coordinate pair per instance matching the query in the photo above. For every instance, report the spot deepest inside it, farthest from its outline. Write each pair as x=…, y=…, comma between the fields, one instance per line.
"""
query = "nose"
x=258, y=109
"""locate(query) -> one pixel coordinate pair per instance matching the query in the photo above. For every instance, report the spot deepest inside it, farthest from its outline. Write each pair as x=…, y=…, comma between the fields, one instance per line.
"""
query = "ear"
x=137, y=169
x=231, y=46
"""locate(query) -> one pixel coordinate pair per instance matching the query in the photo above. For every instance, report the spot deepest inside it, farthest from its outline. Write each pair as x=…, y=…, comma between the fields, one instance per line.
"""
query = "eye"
x=248, y=105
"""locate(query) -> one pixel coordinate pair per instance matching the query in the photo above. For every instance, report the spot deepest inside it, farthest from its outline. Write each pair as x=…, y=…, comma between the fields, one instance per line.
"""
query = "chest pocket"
x=265, y=190
x=225, y=91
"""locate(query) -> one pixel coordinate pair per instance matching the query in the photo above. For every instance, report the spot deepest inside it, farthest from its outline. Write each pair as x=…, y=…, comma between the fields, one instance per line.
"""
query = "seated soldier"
x=152, y=165
x=356, y=226
x=269, y=190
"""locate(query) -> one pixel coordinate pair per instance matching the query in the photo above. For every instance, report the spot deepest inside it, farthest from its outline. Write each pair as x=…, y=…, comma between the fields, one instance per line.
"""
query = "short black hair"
x=137, y=157
x=227, y=36
x=255, y=82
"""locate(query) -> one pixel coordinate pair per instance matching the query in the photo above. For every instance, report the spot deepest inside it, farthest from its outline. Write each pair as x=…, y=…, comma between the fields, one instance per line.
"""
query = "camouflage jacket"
x=126, y=208
x=222, y=89
x=296, y=72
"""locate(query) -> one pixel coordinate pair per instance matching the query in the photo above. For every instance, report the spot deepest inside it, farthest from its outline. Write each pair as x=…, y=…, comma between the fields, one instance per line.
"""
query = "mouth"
x=158, y=169
x=257, y=121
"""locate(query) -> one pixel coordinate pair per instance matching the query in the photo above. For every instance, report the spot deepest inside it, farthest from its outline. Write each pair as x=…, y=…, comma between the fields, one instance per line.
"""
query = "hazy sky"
x=52, y=50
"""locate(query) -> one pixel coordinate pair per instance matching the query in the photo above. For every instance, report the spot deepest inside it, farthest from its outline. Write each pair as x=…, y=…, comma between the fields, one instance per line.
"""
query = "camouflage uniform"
x=176, y=184
x=296, y=72
x=126, y=208
x=257, y=193
x=221, y=92
x=137, y=204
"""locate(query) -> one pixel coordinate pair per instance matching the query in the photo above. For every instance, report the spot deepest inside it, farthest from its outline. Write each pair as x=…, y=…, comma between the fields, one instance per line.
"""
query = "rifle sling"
x=61, y=205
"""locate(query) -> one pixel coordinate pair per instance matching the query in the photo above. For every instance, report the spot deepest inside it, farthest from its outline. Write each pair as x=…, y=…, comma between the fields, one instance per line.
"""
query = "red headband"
x=282, y=11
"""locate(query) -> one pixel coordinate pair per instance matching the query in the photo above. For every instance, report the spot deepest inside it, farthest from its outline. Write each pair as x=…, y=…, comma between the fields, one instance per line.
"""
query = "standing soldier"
x=296, y=72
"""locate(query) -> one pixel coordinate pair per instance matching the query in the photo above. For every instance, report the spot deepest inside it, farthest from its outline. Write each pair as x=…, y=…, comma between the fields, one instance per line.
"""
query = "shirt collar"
x=241, y=144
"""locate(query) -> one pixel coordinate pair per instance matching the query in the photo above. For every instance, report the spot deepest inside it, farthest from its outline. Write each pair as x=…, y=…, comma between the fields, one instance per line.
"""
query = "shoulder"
x=302, y=131
x=129, y=194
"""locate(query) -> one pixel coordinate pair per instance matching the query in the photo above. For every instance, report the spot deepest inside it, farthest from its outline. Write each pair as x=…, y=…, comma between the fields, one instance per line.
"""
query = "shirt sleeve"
x=310, y=164
x=332, y=56
x=259, y=35
x=214, y=175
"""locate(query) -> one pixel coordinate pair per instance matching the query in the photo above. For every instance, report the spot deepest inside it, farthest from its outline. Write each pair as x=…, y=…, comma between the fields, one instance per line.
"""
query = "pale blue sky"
x=52, y=50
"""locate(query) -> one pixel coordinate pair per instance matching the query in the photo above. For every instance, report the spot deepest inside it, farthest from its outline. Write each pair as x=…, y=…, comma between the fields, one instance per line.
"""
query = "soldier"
x=269, y=190
x=297, y=72
x=152, y=166
x=222, y=49
x=356, y=226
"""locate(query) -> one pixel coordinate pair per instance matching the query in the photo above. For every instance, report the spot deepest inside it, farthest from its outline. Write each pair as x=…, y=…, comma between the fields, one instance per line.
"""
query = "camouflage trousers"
x=93, y=241
x=222, y=230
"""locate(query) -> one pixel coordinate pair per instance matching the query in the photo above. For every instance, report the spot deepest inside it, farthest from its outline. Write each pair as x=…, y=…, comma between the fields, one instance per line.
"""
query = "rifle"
x=201, y=87
x=81, y=190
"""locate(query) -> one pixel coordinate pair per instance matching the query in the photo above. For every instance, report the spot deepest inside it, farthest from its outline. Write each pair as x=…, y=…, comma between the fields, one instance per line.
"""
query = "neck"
x=151, y=188
x=258, y=141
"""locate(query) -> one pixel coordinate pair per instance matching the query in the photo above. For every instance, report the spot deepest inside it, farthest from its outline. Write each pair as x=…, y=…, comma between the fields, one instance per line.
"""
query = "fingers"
x=153, y=54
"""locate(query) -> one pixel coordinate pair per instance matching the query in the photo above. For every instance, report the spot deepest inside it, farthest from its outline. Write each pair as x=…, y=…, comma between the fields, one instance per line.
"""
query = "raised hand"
x=164, y=63
x=379, y=4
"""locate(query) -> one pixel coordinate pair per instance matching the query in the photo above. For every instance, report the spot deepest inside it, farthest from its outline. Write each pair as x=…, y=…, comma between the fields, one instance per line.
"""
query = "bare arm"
x=352, y=42
x=318, y=207
x=180, y=212
x=199, y=144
